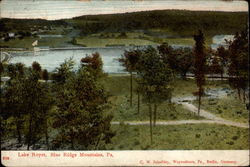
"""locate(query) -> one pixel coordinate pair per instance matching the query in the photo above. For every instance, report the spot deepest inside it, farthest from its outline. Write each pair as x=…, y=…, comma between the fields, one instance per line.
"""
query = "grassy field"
x=27, y=42
x=54, y=42
x=188, y=87
x=119, y=89
x=120, y=85
x=123, y=112
x=19, y=43
x=133, y=38
x=99, y=42
x=228, y=107
x=180, y=137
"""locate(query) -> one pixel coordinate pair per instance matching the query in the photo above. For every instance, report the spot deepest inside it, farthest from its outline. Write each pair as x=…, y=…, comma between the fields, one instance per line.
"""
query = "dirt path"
x=183, y=122
x=211, y=118
x=203, y=113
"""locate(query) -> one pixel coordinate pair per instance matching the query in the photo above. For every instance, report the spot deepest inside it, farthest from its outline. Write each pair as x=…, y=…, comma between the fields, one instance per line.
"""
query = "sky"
x=60, y=9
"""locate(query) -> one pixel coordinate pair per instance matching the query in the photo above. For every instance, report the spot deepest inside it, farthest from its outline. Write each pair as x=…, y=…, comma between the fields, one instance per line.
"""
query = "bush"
x=197, y=135
x=235, y=137
x=230, y=143
x=136, y=142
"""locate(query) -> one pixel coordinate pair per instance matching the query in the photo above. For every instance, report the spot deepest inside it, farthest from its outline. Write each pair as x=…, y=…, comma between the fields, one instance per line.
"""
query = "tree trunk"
x=221, y=75
x=238, y=89
x=185, y=76
x=138, y=104
x=46, y=133
x=150, y=117
x=30, y=131
x=199, y=101
x=131, y=88
x=97, y=143
x=155, y=113
x=244, y=95
x=18, y=129
x=72, y=142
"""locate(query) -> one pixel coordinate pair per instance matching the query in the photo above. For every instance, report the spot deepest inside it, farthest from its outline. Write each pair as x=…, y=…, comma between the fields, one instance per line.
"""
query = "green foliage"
x=45, y=75
x=238, y=69
x=216, y=66
x=154, y=81
x=26, y=100
x=154, y=77
x=179, y=60
x=181, y=22
x=63, y=72
x=130, y=60
x=81, y=120
x=36, y=66
x=93, y=64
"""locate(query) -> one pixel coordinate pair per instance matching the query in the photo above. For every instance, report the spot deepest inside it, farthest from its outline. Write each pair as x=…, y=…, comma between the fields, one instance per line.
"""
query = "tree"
x=222, y=53
x=45, y=75
x=94, y=64
x=13, y=98
x=167, y=53
x=130, y=61
x=184, y=60
x=81, y=120
x=26, y=101
x=63, y=72
x=1, y=68
x=155, y=82
x=238, y=69
x=37, y=105
x=199, y=65
x=215, y=66
x=37, y=68
x=47, y=103
x=179, y=60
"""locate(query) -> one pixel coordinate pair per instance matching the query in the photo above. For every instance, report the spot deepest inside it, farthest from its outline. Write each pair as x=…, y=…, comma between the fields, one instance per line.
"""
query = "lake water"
x=58, y=9
x=52, y=59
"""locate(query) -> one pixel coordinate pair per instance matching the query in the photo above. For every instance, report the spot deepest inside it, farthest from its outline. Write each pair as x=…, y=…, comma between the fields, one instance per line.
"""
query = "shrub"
x=235, y=137
x=197, y=135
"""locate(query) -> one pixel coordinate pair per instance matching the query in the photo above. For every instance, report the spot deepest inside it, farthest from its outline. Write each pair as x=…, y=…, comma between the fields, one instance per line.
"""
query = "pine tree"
x=199, y=65
x=81, y=119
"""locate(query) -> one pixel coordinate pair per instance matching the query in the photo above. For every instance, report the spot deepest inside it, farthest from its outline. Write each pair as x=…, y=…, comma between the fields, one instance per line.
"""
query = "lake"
x=53, y=58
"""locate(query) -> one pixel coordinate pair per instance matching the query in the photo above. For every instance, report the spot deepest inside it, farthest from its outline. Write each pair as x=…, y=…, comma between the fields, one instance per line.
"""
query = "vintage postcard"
x=124, y=82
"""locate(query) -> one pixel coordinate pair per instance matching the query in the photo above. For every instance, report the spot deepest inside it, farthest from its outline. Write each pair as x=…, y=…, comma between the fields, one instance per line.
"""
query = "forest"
x=184, y=23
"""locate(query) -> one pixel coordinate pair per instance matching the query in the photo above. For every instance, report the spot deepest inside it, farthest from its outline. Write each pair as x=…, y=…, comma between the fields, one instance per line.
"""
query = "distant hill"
x=181, y=21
